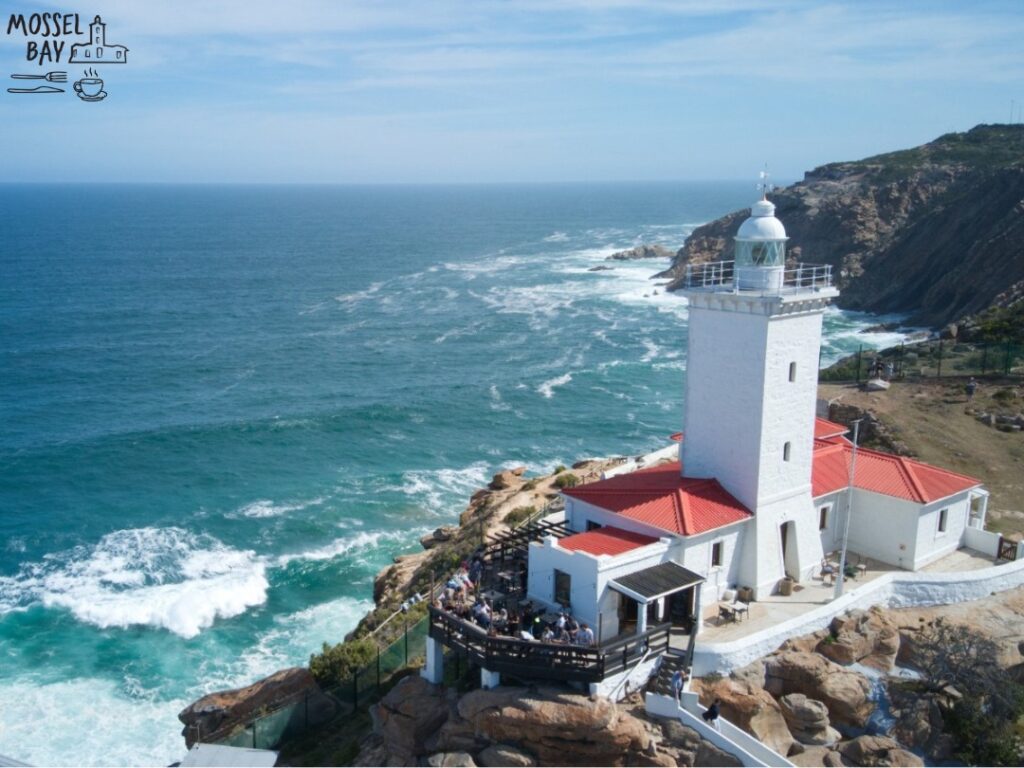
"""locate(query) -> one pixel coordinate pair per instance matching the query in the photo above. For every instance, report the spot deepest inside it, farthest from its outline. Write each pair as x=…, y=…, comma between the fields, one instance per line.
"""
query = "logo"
x=47, y=44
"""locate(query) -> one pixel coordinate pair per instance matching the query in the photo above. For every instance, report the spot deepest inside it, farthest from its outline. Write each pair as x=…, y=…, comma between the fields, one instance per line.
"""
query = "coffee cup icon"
x=90, y=89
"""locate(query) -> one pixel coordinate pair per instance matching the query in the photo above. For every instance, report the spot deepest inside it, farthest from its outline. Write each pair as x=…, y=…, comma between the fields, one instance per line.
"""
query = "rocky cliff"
x=935, y=231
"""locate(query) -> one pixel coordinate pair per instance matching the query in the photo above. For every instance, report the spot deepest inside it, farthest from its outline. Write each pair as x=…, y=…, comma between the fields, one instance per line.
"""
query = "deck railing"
x=531, y=659
x=720, y=276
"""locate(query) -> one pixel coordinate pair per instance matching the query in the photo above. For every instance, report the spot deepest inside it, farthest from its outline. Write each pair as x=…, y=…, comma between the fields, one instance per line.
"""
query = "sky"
x=422, y=91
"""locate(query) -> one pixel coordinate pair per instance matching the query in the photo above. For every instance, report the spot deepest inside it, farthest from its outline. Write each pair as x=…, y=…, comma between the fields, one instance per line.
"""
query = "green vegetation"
x=1002, y=323
x=560, y=469
x=519, y=514
x=566, y=480
x=337, y=662
x=988, y=703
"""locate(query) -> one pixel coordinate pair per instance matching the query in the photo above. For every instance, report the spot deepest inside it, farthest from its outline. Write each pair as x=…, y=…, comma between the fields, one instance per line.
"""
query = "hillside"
x=934, y=231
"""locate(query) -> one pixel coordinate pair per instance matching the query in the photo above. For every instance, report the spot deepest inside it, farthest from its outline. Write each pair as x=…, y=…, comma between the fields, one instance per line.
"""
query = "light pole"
x=849, y=512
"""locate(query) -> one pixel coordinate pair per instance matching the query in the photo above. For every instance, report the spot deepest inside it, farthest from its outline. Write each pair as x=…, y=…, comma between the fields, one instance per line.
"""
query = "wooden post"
x=938, y=373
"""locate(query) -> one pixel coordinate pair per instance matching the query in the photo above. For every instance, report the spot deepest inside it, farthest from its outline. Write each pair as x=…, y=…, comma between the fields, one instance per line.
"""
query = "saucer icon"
x=90, y=88
x=98, y=97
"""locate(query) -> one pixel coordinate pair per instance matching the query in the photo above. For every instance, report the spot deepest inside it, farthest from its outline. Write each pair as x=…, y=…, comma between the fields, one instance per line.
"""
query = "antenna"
x=765, y=186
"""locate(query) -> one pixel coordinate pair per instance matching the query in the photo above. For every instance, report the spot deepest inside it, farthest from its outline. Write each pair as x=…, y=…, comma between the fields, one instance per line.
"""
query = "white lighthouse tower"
x=752, y=378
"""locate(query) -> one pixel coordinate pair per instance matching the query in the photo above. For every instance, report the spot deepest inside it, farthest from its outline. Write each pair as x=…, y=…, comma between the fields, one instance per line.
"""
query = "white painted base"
x=489, y=679
x=433, y=670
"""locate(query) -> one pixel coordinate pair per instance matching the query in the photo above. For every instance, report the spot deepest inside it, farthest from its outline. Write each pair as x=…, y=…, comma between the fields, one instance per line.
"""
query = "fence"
x=270, y=729
x=935, y=358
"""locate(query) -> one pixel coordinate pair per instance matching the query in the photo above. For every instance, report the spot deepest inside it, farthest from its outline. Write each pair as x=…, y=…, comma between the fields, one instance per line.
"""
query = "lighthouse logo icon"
x=98, y=50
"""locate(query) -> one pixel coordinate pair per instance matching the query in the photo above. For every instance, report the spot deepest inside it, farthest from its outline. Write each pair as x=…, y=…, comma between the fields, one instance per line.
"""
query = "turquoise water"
x=225, y=408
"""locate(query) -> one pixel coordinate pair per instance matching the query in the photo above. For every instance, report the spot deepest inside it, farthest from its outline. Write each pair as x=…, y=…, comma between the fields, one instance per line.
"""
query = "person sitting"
x=547, y=635
x=585, y=635
x=562, y=636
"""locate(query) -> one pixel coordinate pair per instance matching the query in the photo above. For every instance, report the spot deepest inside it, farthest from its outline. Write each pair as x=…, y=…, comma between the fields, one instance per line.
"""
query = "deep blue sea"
x=224, y=408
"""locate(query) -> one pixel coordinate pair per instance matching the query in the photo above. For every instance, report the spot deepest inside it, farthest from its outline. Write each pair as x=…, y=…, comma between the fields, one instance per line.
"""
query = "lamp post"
x=849, y=512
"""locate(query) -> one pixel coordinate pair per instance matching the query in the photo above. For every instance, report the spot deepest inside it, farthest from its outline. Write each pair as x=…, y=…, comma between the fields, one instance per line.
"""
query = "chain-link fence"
x=934, y=358
x=268, y=730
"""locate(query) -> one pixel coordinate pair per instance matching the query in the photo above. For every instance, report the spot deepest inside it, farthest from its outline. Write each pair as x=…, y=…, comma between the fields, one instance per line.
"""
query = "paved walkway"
x=811, y=594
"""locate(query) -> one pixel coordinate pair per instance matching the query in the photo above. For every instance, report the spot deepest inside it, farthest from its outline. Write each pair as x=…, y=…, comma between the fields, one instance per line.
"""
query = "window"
x=792, y=371
x=563, y=587
x=716, y=554
x=823, y=518
x=785, y=452
x=943, y=520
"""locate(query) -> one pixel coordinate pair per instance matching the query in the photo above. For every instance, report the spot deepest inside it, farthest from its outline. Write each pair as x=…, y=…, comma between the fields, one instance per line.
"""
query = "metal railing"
x=531, y=659
x=720, y=276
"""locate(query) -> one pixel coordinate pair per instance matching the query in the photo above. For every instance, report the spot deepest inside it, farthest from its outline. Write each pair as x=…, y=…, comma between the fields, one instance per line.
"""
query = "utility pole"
x=849, y=512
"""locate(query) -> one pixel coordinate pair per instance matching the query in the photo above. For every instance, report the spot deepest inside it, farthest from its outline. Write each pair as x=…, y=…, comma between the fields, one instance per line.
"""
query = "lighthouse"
x=752, y=378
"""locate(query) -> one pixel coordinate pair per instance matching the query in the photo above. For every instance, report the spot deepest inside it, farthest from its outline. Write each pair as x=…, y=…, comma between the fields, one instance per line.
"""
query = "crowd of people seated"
x=459, y=598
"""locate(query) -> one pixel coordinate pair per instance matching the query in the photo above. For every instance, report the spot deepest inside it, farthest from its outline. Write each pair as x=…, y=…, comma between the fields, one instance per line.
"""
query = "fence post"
x=938, y=373
x=1006, y=362
x=407, y=642
x=378, y=668
x=984, y=357
x=899, y=372
x=860, y=351
x=355, y=689
x=254, y=732
x=306, y=703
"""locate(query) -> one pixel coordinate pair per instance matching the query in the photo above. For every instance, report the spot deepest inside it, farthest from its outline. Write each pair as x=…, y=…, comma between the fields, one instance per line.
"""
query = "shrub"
x=519, y=514
x=529, y=485
x=560, y=469
x=566, y=480
x=337, y=663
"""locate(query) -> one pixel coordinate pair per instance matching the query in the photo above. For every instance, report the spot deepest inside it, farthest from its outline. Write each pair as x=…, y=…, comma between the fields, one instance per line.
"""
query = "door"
x=787, y=533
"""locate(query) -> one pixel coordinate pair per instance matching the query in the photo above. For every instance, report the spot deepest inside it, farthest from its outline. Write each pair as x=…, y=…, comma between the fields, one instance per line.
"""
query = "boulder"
x=752, y=673
x=867, y=637
x=812, y=757
x=408, y=715
x=498, y=755
x=689, y=748
x=642, y=252
x=808, y=720
x=559, y=727
x=451, y=760
x=749, y=707
x=878, y=750
x=507, y=478
x=919, y=722
x=843, y=691
x=223, y=711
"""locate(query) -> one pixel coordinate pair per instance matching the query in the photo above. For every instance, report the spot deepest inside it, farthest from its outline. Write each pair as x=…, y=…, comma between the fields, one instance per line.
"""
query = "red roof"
x=605, y=541
x=677, y=436
x=824, y=428
x=660, y=497
x=883, y=473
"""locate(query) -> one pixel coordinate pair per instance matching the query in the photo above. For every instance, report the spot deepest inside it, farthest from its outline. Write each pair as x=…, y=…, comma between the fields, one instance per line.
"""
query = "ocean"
x=224, y=408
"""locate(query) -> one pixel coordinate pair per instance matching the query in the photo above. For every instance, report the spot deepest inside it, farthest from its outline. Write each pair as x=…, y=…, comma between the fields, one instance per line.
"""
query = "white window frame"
x=826, y=510
x=721, y=554
x=942, y=524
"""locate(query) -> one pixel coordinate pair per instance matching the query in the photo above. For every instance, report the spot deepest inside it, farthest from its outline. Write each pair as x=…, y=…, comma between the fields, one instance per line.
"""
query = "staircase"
x=662, y=682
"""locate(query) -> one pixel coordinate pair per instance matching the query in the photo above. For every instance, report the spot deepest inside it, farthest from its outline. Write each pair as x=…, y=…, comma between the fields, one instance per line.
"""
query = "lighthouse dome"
x=762, y=224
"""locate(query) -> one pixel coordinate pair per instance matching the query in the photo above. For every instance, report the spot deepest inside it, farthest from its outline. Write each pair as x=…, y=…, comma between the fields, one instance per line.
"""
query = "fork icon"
x=51, y=77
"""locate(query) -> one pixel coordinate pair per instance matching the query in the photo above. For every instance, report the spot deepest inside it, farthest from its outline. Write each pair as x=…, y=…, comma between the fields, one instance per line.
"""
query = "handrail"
x=721, y=275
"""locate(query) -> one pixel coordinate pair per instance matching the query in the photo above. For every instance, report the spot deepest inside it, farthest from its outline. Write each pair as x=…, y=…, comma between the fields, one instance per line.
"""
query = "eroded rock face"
x=750, y=707
x=868, y=637
x=843, y=691
x=560, y=728
x=642, y=252
x=222, y=711
x=688, y=748
x=408, y=715
x=499, y=755
x=878, y=750
x=808, y=720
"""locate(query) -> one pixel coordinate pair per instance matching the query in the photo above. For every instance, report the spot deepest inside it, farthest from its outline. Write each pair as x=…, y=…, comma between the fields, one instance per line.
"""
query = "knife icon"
x=39, y=89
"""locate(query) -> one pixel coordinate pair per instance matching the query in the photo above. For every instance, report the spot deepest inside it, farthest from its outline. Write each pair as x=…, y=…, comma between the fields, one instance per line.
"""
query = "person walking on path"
x=711, y=714
x=971, y=388
x=677, y=685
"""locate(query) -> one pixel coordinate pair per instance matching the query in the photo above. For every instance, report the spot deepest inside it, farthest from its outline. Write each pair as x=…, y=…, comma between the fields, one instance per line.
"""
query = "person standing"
x=677, y=686
x=971, y=388
x=711, y=714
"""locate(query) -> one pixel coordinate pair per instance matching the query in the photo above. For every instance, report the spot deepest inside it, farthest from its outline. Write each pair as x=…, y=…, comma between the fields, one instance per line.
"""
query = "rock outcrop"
x=643, y=252
x=223, y=711
x=877, y=750
x=750, y=707
x=843, y=691
x=916, y=231
x=808, y=720
x=868, y=637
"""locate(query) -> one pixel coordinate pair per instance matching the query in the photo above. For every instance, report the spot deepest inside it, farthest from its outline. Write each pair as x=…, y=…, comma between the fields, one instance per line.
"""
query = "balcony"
x=725, y=277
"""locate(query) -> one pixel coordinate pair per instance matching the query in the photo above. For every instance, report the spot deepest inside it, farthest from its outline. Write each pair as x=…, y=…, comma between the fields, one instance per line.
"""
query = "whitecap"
x=547, y=388
x=556, y=237
x=267, y=508
x=165, y=578
x=359, y=543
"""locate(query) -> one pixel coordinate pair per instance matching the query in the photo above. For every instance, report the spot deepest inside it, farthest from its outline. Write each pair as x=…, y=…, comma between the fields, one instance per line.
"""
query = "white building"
x=98, y=50
x=761, y=487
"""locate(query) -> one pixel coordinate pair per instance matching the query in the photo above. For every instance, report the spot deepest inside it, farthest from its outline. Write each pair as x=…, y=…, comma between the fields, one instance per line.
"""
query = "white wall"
x=933, y=544
x=896, y=589
x=579, y=512
x=882, y=527
x=695, y=554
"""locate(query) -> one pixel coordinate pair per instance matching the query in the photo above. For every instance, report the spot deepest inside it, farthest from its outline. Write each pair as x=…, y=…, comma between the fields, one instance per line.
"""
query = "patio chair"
x=862, y=565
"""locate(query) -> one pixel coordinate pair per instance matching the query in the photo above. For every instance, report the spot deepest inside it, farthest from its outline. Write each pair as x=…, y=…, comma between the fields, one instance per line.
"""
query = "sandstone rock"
x=559, y=727
x=843, y=691
x=690, y=749
x=808, y=720
x=803, y=643
x=812, y=756
x=749, y=707
x=862, y=636
x=451, y=760
x=919, y=722
x=408, y=715
x=752, y=673
x=222, y=711
x=502, y=754
x=507, y=478
x=878, y=750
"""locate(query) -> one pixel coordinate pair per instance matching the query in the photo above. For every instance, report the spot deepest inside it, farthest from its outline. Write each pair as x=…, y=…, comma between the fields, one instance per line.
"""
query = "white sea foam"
x=547, y=388
x=556, y=237
x=158, y=577
x=497, y=403
x=444, y=491
x=348, y=545
x=267, y=508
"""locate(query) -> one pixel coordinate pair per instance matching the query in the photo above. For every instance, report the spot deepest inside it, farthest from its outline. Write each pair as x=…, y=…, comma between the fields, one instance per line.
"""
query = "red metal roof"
x=883, y=473
x=605, y=541
x=677, y=436
x=824, y=428
x=660, y=497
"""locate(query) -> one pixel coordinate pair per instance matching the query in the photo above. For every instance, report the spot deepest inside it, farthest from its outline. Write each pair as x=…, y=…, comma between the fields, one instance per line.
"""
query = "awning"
x=655, y=582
